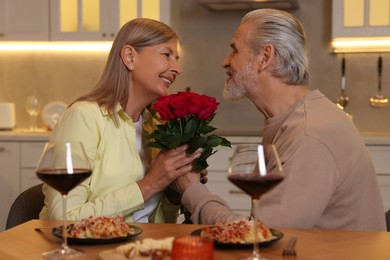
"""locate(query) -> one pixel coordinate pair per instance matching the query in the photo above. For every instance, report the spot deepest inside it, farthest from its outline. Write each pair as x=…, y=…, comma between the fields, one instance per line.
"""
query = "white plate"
x=112, y=255
x=52, y=112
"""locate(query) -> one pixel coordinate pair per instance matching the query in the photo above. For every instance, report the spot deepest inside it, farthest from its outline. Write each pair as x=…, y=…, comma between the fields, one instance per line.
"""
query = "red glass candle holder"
x=192, y=247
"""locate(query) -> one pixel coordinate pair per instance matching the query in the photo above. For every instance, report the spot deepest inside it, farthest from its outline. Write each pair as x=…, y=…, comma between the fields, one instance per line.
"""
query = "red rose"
x=195, y=103
x=179, y=105
x=163, y=108
x=210, y=105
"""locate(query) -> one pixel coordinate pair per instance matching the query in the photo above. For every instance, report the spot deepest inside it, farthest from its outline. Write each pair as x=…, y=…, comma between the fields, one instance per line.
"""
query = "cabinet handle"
x=112, y=34
x=2, y=149
x=104, y=35
x=236, y=192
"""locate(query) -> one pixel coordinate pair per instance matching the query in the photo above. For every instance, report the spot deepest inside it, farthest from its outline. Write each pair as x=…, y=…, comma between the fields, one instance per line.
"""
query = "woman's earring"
x=131, y=67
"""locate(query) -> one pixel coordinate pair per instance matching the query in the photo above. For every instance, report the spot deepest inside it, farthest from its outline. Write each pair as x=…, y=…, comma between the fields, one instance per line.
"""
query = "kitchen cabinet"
x=360, y=18
x=380, y=154
x=30, y=153
x=100, y=20
x=74, y=20
x=9, y=178
x=22, y=20
x=18, y=161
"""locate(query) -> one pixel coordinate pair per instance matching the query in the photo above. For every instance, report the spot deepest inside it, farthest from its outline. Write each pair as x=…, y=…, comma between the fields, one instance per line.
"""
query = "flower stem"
x=181, y=126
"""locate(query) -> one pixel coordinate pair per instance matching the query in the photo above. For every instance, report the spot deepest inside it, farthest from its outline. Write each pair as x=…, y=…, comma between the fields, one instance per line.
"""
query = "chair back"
x=387, y=214
x=26, y=206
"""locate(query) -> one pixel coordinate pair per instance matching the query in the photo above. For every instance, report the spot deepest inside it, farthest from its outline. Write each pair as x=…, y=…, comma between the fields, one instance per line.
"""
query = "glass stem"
x=256, y=252
x=64, y=245
x=33, y=126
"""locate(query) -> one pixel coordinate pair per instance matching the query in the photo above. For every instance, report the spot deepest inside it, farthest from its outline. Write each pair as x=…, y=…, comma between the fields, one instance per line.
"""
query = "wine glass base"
x=252, y=258
x=62, y=254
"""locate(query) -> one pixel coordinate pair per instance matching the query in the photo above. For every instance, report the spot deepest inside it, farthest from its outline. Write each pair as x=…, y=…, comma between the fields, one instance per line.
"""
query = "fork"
x=289, y=250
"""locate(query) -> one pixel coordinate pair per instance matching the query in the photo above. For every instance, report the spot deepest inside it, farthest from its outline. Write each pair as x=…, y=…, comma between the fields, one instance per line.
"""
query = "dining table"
x=30, y=239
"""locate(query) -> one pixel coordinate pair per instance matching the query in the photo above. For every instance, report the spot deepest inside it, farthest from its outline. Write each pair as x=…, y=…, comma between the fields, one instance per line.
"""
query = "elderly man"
x=330, y=182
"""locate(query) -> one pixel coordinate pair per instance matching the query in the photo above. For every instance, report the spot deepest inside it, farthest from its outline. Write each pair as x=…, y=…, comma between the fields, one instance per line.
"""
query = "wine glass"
x=32, y=108
x=247, y=170
x=62, y=166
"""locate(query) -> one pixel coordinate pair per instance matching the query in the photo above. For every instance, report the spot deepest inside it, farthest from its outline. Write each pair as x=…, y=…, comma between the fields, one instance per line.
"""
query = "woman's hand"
x=166, y=168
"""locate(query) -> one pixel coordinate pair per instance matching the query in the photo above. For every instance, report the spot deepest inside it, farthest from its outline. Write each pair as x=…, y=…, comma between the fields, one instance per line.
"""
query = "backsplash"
x=205, y=39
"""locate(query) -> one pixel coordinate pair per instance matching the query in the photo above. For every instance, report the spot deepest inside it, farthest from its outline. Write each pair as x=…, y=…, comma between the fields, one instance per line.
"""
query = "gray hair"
x=286, y=34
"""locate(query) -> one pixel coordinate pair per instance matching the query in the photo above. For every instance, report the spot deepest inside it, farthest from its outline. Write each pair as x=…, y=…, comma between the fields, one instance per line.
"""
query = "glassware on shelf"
x=33, y=107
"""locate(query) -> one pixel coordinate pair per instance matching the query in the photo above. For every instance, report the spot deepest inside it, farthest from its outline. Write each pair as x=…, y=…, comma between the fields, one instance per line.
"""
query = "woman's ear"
x=127, y=55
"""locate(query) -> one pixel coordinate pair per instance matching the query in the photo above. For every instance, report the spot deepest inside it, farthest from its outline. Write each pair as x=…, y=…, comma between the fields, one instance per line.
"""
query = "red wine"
x=255, y=185
x=60, y=180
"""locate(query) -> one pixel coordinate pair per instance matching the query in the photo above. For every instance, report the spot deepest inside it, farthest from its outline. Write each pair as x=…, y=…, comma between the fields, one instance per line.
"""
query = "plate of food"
x=52, y=112
x=99, y=230
x=145, y=249
x=239, y=234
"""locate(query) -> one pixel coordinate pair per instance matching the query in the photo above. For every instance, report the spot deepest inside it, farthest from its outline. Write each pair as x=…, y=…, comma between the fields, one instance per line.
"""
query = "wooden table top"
x=23, y=242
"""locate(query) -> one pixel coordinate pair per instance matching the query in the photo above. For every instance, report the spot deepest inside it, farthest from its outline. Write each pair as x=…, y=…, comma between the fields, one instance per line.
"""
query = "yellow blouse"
x=116, y=166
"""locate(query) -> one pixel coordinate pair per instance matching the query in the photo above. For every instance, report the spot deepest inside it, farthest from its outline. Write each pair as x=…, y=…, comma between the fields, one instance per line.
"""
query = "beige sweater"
x=330, y=181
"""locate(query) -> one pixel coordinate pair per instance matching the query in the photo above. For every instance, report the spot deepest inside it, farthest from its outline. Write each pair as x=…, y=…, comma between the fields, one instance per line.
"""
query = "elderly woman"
x=112, y=121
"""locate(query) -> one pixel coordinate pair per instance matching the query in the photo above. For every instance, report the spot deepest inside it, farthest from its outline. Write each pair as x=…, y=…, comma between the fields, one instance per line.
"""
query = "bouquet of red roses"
x=186, y=120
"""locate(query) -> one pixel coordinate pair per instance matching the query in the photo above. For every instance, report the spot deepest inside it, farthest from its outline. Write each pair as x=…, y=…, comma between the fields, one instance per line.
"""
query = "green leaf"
x=205, y=129
x=199, y=165
x=156, y=145
x=191, y=126
x=225, y=142
x=196, y=142
x=205, y=154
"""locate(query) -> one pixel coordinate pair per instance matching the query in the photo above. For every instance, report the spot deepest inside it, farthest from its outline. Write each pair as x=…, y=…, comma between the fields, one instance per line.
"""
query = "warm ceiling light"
x=369, y=44
x=55, y=46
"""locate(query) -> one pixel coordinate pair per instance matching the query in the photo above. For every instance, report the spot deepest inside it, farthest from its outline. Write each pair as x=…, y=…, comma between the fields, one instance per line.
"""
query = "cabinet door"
x=30, y=153
x=24, y=20
x=380, y=155
x=86, y=20
x=100, y=20
x=9, y=178
x=360, y=18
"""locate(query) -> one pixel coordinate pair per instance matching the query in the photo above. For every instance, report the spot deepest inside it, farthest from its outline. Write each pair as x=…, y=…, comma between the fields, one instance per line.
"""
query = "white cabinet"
x=22, y=20
x=380, y=155
x=30, y=153
x=74, y=20
x=360, y=18
x=218, y=183
x=9, y=178
x=18, y=160
x=100, y=20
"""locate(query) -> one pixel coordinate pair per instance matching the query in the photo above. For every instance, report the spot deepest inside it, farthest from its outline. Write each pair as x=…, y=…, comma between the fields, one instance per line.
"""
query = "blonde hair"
x=113, y=85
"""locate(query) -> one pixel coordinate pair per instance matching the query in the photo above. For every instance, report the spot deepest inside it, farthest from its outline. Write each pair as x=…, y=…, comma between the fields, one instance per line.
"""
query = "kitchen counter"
x=374, y=138
x=24, y=135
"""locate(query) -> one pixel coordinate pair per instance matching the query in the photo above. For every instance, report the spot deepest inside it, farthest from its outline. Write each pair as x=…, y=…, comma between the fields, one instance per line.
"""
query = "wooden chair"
x=26, y=206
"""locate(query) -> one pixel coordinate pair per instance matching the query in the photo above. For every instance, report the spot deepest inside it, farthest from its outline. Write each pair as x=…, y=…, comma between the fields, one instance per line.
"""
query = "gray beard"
x=238, y=86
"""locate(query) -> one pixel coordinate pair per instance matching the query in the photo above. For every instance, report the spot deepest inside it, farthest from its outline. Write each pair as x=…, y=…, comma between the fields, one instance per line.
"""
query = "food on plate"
x=101, y=227
x=155, y=249
x=237, y=232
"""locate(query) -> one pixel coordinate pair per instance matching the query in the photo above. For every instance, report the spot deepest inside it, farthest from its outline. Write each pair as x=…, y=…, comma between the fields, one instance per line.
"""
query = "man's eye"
x=167, y=54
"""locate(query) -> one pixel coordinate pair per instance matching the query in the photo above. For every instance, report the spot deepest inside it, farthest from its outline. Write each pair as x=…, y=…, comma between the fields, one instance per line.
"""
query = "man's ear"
x=127, y=55
x=266, y=57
